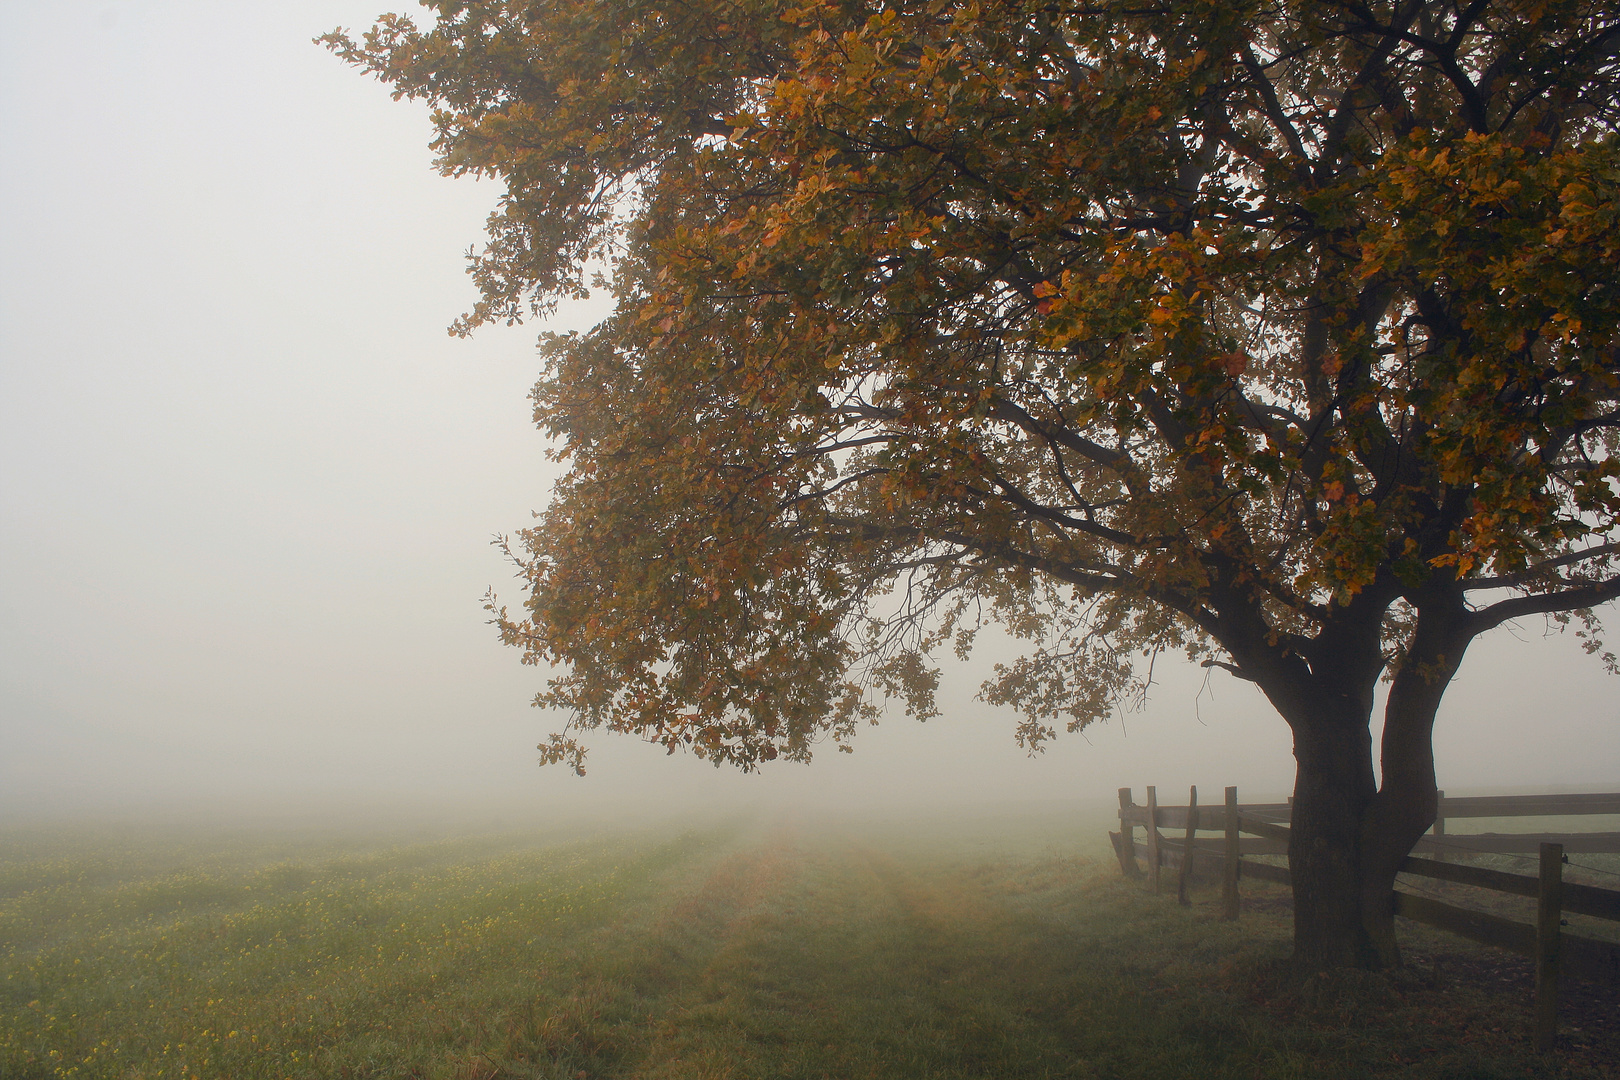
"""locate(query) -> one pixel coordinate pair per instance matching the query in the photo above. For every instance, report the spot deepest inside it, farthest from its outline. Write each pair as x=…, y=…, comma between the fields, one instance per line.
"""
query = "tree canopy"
x=1280, y=333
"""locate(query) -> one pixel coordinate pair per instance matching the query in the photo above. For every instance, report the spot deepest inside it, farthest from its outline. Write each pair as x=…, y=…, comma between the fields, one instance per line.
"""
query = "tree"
x=1283, y=334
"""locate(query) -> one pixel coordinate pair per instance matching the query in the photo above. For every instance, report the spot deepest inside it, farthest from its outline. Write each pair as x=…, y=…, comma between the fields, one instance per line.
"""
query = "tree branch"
x=1508, y=581
x=1233, y=668
x=1585, y=596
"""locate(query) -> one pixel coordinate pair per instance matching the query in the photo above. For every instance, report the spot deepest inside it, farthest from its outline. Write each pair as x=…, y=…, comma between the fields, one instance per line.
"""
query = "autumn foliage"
x=1280, y=334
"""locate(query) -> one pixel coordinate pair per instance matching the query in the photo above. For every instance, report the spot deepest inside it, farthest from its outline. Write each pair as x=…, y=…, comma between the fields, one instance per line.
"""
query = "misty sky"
x=247, y=481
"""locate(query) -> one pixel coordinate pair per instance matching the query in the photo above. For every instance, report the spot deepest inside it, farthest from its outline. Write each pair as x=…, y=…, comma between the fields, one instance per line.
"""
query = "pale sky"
x=247, y=481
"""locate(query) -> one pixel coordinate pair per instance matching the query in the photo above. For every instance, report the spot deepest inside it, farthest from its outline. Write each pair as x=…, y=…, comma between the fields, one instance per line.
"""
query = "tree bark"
x=1326, y=695
x=1408, y=796
x=1333, y=789
x=1401, y=812
x=1350, y=833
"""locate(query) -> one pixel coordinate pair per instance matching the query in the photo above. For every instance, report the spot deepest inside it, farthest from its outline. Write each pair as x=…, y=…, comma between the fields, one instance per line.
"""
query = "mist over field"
x=269, y=797
x=248, y=485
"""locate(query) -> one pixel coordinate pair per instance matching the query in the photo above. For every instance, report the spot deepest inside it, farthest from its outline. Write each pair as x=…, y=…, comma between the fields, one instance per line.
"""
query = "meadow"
x=985, y=944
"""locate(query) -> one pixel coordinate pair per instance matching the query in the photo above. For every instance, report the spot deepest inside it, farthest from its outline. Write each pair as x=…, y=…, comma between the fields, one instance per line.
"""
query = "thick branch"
x=1002, y=409
x=1585, y=596
x=1233, y=668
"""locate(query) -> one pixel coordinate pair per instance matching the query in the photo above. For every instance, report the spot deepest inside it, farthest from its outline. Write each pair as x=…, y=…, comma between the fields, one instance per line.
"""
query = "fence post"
x=1127, y=837
x=1229, y=880
x=1440, y=824
x=1187, y=847
x=1549, y=915
x=1153, y=835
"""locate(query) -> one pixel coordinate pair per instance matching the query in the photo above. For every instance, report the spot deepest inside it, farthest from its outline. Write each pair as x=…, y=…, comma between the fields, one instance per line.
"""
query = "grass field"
x=994, y=946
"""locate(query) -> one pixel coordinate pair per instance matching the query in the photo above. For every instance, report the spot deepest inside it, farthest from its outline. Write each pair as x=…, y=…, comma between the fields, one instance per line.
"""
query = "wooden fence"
x=1261, y=829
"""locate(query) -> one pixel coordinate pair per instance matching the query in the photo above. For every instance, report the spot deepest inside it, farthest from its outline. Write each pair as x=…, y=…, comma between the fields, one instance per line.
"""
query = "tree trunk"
x=1400, y=814
x=1408, y=798
x=1333, y=789
x=1350, y=836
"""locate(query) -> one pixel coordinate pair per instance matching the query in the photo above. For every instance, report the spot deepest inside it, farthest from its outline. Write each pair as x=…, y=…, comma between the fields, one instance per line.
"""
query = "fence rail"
x=1555, y=951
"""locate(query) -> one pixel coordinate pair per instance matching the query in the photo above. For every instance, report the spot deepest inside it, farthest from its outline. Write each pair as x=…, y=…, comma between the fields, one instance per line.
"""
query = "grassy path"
x=849, y=961
x=727, y=951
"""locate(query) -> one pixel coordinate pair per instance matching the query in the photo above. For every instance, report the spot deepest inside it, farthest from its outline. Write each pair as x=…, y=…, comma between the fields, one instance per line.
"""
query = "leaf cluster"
x=1265, y=331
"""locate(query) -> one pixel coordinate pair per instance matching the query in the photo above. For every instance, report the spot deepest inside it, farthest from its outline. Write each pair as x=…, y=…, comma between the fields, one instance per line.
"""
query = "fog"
x=247, y=484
